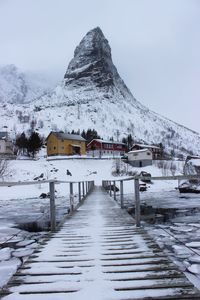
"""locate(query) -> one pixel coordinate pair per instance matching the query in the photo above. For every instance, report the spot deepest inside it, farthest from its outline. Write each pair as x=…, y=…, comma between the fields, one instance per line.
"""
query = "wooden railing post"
x=79, y=192
x=114, y=188
x=121, y=194
x=52, y=206
x=86, y=187
x=83, y=188
x=110, y=188
x=71, y=196
x=137, y=202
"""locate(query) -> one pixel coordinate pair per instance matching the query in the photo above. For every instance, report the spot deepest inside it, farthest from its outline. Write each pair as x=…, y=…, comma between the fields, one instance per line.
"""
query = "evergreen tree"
x=129, y=141
x=83, y=134
x=91, y=134
x=22, y=142
x=34, y=143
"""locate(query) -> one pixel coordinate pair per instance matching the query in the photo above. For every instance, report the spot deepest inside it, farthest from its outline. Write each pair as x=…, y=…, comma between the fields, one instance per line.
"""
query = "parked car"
x=147, y=175
x=191, y=167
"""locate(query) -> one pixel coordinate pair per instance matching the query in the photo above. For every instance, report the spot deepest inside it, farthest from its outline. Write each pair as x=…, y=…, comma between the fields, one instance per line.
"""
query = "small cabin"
x=60, y=143
x=100, y=148
x=140, y=158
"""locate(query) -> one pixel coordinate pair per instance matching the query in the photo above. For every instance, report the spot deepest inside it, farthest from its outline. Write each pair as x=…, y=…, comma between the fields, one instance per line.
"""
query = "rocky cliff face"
x=92, y=66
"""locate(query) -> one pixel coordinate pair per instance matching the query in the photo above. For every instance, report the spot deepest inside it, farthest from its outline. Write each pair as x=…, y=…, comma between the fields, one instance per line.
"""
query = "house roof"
x=67, y=136
x=3, y=135
x=138, y=151
x=107, y=142
x=146, y=146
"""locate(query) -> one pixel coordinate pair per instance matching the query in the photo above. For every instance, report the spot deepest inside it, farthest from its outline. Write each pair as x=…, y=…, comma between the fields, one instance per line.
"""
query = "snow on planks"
x=99, y=254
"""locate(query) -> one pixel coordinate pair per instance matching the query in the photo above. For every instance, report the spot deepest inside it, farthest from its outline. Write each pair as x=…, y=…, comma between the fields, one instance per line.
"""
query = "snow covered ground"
x=179, y=235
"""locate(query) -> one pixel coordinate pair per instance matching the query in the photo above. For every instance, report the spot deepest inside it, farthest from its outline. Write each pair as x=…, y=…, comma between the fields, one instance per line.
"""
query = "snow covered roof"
x=141, y=150
x=195, y=162
x=67, y=136
x=107, y=142
x=146, y=146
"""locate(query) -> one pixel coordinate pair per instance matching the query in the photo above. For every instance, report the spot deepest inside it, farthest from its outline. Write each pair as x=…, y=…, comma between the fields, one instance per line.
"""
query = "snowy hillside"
x=17, y=87
x=93, y=95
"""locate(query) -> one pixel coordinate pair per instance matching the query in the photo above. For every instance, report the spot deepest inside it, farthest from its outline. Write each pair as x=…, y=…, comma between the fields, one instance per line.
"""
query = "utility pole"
x=78, y=111
x=117, y=135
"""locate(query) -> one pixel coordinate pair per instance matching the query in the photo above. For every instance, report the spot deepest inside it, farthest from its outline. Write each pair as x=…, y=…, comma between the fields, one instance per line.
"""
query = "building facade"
x=156, y=151
x=100, y=148
x=6, y=145
x=59, y=143
x=140, y=158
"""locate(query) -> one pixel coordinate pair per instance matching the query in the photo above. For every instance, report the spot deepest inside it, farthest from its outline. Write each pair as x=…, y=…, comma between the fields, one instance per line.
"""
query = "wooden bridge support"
x=137, y=202
x=121, y=194
x=52, y=206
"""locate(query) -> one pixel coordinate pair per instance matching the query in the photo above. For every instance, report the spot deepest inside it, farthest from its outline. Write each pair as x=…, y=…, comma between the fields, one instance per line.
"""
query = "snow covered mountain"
x=93, y=95
x=17, y=87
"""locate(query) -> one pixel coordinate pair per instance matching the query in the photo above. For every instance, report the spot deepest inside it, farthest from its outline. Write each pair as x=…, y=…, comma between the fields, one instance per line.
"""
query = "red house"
x=100, y=148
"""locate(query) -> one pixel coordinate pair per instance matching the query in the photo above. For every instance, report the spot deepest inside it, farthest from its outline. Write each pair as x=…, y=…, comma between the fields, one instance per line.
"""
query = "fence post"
x=71, y=196
x=52, y=206
x=83, y=188
x=79, y=192
x=114, y=188
x=137, y=202
x=110, y=188
x=86, y=187
x=121, y=194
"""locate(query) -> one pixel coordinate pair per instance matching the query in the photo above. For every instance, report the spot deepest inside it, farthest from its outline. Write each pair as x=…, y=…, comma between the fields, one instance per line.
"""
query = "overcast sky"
x=155, y=45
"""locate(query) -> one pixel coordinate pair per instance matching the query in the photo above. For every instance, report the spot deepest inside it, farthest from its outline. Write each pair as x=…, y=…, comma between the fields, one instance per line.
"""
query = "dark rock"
x=107, y=188
x=69, y=173
x=44, y=195
x=92, y=63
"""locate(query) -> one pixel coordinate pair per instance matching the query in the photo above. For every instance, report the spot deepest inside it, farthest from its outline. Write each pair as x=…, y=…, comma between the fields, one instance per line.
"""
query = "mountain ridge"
x=93, y=95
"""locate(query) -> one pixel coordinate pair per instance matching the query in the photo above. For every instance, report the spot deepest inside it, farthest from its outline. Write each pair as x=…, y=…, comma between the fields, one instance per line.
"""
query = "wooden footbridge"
x=98, y=253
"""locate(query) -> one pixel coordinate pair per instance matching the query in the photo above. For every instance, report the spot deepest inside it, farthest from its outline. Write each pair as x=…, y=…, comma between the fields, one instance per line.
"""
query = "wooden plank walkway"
x=99, y=254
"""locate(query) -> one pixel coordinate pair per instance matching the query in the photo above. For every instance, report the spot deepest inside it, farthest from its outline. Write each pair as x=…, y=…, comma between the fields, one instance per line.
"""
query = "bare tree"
x=3, y=168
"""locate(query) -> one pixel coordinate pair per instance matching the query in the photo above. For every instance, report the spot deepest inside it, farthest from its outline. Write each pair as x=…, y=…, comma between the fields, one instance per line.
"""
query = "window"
x=148, y=153
x=54, y=147
x=109, y=146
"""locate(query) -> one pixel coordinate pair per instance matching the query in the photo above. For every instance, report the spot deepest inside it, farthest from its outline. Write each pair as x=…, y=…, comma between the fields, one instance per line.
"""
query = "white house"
x=156, y=151
x=6, y=146
x=140, y=158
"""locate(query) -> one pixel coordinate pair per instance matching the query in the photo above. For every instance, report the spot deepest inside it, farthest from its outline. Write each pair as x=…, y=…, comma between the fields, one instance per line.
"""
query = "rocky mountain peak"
x=92, y=63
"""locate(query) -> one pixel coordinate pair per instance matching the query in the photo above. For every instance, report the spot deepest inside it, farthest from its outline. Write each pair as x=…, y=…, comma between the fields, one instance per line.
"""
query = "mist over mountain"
x=19, y=87
x=93, y=95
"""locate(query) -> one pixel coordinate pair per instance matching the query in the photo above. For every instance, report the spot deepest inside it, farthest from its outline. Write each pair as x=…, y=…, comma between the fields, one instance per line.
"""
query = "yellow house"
x=59, y=143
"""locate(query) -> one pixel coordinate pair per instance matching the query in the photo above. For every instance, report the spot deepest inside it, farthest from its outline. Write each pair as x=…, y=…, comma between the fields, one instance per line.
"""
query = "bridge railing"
x=111, y=188
x=84, y=188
